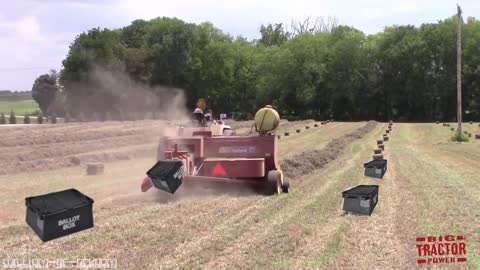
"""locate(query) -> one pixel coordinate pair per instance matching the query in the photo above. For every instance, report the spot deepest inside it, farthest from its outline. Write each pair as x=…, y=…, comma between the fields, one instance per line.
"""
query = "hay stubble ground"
x=431, y=188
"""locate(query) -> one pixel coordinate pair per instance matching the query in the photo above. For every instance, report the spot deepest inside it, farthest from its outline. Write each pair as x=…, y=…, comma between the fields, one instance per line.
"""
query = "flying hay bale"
x=377, y=156
x=298, y=130
x=379, y=142
x=286, y=134
x=385, y=137
x=387, y=131
x=94, y=168
x=377, y=151
x=381, y=146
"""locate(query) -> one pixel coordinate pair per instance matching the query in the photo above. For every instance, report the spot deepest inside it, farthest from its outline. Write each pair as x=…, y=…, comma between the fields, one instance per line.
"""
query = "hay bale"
x=324, y=123
x=307, y=127
x=298, y=130
x=385, y=138
x=444, y=124
x=477, y=136
x=377, y=156
x=387, y=131
x=377, y=151
x=286, y=134
x=75, y=160
x=278, y=137
x=379, y=142
x=94, y=168
x=452, y=129
x=465, y=132
x=315, y=125
x=381, y=146
x=469, y=135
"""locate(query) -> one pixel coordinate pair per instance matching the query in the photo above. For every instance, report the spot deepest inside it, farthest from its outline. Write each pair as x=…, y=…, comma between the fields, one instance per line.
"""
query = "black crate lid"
x=57, y=201
x=163, y=168
x=361, y=190
x=375, y=163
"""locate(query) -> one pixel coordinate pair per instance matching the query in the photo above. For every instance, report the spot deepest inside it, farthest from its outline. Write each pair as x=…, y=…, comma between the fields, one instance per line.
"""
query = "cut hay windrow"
x=309, y=161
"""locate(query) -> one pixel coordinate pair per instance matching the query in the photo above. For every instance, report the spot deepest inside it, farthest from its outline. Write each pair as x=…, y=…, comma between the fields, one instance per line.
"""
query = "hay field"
x=432, y=187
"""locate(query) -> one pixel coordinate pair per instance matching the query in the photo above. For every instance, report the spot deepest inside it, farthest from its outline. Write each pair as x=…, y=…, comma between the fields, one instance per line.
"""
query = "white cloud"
x=35, y=34
x=28, y=29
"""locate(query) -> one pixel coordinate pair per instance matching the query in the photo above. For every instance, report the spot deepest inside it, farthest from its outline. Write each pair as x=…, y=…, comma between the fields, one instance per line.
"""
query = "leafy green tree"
x=44, y=89
x=26, y=119
x=53, y=119
x=12, y=119
x=320, y=70
x=273, y=35
x=40, y=118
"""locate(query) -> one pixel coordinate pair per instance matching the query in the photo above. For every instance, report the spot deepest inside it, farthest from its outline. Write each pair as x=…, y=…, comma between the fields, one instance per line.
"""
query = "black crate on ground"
x=361, y=199
x=375, y=168
x=167, y=175
x=57, y=214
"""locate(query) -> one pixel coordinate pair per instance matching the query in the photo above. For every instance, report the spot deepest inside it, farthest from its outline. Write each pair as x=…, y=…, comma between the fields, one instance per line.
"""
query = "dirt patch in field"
x=309, y=161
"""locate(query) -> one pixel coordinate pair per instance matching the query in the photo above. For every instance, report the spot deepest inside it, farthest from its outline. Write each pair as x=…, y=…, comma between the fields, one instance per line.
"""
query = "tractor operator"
x=199, y=112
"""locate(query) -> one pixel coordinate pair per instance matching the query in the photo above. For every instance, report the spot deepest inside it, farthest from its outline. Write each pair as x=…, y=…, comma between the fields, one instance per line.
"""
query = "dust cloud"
x=114, y=95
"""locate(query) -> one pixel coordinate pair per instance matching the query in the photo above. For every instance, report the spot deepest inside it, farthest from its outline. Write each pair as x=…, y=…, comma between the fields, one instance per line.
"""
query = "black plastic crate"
x=167, y=175
x=57, y=214
x=376, y=168
x=361, y=199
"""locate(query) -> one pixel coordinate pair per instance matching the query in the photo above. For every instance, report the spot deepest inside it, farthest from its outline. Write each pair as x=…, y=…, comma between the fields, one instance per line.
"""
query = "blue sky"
x=35, y=34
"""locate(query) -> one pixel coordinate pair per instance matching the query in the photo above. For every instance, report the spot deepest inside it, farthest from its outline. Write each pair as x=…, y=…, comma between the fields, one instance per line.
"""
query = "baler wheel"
x=285, y=186
x=275, y=179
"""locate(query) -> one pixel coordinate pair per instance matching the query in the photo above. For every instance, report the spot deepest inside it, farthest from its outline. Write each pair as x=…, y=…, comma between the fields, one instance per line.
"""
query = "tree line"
x=310, y=70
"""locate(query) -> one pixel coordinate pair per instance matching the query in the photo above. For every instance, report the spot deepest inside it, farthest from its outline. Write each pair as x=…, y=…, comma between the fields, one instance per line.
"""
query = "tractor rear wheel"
x=227, y=132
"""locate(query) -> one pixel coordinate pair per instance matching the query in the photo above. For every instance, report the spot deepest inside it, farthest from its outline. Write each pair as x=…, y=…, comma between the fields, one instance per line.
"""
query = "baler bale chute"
x=198, y=154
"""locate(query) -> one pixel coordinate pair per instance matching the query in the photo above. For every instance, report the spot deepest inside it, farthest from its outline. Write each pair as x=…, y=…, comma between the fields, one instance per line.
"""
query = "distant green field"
x=20, y=106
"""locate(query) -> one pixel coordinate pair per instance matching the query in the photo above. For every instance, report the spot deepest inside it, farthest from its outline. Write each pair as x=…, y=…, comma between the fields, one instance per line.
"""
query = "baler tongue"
x=166, y=175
